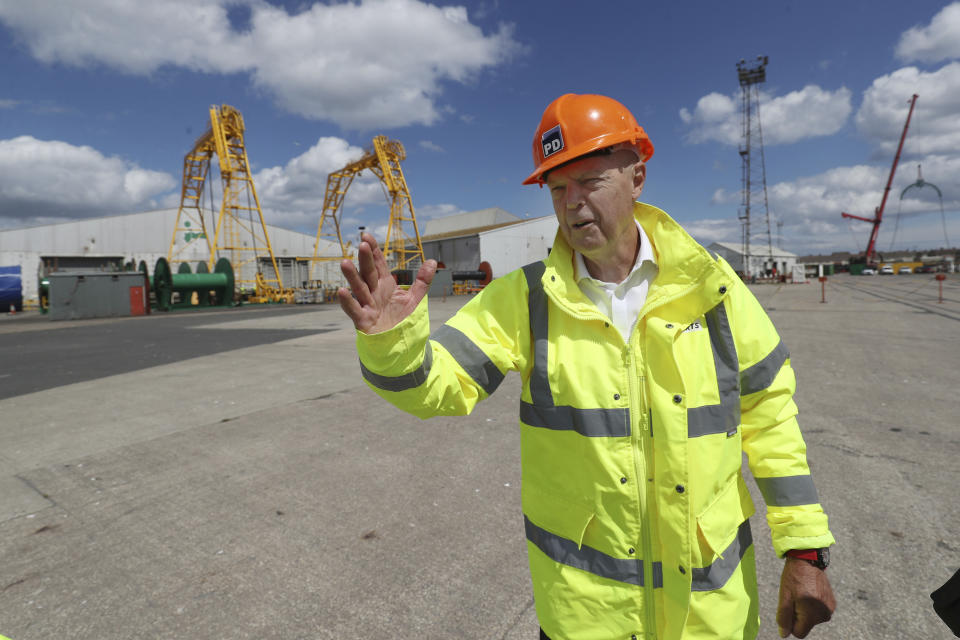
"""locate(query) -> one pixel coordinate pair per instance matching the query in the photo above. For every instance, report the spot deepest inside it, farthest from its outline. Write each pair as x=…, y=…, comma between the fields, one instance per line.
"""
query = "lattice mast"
x=190, y=216
x=753, y=162
x=238, y=234
x=401, y=249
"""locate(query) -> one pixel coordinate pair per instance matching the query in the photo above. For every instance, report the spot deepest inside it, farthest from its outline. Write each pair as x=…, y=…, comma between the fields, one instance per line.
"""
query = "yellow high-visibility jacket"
x=635, y=508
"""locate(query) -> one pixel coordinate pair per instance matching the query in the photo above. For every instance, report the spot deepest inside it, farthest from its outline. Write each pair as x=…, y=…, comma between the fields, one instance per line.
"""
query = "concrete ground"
x=228, y=475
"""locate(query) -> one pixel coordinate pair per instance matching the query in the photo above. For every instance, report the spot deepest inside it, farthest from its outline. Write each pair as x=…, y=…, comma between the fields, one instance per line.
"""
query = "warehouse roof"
x=461, y=233
x=757, y=250
x=463, y=223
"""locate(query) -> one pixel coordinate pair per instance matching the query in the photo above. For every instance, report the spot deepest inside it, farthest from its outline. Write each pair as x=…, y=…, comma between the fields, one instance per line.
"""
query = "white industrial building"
x=764, y=261
x=494, y=236
x=104, y=243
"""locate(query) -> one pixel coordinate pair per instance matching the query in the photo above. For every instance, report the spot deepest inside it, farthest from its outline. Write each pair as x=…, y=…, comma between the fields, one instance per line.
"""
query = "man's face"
x=593, y=199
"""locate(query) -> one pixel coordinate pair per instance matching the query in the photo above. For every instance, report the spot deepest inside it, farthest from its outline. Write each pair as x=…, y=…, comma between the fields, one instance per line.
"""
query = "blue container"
x=11, y=289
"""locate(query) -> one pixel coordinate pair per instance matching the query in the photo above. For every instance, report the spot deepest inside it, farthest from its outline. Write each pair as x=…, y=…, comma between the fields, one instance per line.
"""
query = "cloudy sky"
x=101, y=99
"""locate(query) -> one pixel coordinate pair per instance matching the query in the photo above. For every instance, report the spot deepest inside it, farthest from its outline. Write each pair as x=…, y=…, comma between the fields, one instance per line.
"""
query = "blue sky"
x=101, y=99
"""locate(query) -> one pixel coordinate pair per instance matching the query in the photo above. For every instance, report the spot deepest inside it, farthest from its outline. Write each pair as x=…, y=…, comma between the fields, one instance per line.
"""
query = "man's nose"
x=573, y=195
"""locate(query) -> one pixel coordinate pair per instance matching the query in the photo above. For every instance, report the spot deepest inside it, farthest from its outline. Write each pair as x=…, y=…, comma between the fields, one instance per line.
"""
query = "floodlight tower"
x=754, y=171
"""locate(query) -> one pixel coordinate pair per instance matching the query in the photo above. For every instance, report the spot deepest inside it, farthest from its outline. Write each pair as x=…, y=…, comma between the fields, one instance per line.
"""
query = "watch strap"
x=819, y=558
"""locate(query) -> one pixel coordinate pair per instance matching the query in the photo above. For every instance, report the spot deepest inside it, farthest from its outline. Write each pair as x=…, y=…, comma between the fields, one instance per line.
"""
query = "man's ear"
x=639, y=179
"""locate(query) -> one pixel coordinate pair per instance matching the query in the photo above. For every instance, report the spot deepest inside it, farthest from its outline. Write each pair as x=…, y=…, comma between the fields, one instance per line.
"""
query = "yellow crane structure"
x=402, y=250
x=237, y=235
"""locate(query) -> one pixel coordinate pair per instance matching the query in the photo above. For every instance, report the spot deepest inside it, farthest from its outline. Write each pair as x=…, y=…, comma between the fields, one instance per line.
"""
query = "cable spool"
x=212, y=289
x=483, y=275
x=488, y=270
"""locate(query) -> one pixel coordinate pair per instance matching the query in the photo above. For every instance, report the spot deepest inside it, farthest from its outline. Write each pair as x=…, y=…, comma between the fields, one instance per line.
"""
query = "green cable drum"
x=224, y=268
x=163, y=284
x=220, y=283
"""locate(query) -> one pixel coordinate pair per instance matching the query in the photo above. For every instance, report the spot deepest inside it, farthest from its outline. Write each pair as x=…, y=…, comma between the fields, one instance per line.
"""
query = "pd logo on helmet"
x=552, y=141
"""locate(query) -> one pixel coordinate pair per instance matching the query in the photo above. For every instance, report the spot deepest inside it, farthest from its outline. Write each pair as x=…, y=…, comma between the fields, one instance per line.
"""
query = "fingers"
x=785, y=613
x=379, y=261
x=803, y=623
x=425, y=275
x=809, y=613
x=350, y=306
x=368, y=269
x=357, y=284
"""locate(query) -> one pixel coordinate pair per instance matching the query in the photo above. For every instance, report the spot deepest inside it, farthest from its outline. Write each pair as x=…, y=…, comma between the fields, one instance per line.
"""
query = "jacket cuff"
x=782, y=544
x=398, y=350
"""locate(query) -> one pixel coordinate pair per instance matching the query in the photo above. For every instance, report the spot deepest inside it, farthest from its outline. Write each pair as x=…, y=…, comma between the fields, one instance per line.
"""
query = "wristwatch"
x=819, y=558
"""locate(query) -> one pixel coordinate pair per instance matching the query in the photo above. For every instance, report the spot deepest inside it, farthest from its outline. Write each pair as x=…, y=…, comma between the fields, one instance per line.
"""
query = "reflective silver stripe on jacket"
x=760, y=376
x=717, y=574
x=406, y=381
x=564, y=551
x=724, y=417
x=539, y=333
x=469, y=356
x=594, y=423
x=788, y=491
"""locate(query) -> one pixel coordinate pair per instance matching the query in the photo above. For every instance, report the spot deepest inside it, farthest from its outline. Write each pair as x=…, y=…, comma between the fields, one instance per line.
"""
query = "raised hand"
x=378, y=303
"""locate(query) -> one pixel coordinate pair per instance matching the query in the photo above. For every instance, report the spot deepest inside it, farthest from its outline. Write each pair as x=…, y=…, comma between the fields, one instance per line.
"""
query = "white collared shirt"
x=621, y=302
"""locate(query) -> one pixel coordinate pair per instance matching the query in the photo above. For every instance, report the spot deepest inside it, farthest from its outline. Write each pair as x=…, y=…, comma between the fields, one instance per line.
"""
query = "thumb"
x=425, y=275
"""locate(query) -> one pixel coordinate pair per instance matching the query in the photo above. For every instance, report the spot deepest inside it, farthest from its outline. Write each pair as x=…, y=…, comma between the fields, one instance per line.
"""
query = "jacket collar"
x=685, y=267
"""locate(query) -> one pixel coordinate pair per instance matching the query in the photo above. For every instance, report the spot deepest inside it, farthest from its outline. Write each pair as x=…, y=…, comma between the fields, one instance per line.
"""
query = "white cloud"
x=292, y=195
x=933, y=128
x=431, y=211
x=374, y=63
x=721, y=196
x=808, y=113
x=940, y=40
x=49, y=178
x=707, y=231
x=432, y=146
x=8, y=104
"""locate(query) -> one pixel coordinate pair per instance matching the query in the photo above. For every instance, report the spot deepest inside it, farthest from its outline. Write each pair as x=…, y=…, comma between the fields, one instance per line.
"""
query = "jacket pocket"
x=717, y=524
x=560, y=516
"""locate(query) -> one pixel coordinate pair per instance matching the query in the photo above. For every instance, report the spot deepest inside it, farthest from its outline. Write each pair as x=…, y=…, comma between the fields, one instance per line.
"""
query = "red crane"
x=878, y=212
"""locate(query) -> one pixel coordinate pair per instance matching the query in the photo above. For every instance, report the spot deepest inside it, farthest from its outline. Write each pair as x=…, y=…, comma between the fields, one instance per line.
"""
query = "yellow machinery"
x=401, y=250
x=237, y=234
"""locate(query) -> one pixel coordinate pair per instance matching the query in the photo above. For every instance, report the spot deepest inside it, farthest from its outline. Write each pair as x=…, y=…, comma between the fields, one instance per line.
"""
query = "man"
x=647, y=368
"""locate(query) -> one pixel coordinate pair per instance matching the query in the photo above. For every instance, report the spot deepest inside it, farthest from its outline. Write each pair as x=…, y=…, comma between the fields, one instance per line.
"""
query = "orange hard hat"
x=575, y=125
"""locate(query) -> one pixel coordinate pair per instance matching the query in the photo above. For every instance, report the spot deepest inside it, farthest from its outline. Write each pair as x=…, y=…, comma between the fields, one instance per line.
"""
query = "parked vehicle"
x=904, y=270
x=868, y=271
x=886, y=270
